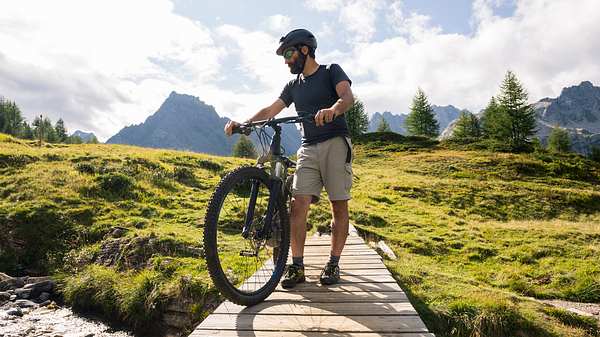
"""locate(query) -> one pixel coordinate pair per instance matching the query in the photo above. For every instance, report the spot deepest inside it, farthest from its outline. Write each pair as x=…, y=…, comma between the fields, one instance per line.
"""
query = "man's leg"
x=340, y=224
x=299, y=210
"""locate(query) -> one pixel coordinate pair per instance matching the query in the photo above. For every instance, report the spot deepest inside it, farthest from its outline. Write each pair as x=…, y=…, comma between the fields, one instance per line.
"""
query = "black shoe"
x=294, y=274
x=330, y=274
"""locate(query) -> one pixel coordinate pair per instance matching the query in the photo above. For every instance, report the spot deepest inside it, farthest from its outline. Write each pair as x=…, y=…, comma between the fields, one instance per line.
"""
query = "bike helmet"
x=297, y=37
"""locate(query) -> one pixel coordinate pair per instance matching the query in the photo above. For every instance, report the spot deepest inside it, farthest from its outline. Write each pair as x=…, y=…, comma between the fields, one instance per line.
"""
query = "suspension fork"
x=250, y=210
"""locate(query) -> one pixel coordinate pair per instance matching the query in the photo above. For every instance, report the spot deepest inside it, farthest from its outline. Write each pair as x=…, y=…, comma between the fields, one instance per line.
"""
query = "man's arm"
x=265, y=113
x=340, y=107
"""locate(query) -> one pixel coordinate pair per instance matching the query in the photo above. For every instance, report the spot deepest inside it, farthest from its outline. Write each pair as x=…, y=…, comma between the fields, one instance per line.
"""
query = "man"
x=324, y=159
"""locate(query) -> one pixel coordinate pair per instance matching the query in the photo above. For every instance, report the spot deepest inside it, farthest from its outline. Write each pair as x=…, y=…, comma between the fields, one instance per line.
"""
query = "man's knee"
x=300, y=204
x=339, y=207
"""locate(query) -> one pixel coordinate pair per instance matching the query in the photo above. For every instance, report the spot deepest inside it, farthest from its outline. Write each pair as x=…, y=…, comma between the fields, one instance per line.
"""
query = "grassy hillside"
x=120, y=226
x=476, y=233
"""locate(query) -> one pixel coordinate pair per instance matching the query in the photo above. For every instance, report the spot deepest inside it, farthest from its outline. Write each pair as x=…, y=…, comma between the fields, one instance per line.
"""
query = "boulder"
x=4, y=296
x=25, y=304
x=23, y=293
x=15, y=312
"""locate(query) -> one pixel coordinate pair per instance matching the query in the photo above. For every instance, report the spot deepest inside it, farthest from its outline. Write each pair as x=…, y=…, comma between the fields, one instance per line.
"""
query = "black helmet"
x=297, y=37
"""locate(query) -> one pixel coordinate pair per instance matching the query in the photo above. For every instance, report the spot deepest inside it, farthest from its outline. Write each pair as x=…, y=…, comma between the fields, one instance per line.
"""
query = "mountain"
x=184, y=122
x=85, y=136
x=443, y=114
x=396, y=122
x=576, y=109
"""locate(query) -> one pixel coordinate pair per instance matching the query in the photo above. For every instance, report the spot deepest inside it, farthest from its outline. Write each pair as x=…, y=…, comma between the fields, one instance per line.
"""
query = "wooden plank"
x=359, y=253
x=317, y=308
x=346, y=266
x=338, y=297
x=313, y=286
x=230, y=333
x=354, y=272
x=314, y=323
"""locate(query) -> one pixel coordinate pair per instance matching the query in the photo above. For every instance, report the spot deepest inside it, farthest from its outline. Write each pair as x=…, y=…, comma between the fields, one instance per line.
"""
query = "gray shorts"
x=326, y=165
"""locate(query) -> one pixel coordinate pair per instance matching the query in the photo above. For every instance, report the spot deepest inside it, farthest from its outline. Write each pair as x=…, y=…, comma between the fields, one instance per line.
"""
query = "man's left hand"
x=324, y=116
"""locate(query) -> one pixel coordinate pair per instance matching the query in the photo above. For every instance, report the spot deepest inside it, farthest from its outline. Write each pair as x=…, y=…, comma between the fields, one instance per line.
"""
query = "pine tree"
x=421, y=119
x=60, y=130
x=11, y=120
x=495, y=122
x=357, y=119
x=93, y=140
x=244, y=148
x=559, y=140
x=383, y=126
x=521, y=115
x=26, y=131
x=467, y=128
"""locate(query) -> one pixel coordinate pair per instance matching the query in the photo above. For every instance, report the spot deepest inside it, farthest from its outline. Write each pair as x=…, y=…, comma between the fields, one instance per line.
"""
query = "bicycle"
x=246, y=227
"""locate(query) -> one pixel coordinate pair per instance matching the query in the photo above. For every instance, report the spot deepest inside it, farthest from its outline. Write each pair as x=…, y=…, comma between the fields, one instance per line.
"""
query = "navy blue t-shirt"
x=313, y=93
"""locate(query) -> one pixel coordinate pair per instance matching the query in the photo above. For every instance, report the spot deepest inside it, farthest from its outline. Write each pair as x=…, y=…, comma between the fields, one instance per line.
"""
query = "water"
x=54, y=322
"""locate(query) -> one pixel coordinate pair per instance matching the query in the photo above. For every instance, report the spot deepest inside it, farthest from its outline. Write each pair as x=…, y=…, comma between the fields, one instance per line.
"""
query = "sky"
x=104, y=65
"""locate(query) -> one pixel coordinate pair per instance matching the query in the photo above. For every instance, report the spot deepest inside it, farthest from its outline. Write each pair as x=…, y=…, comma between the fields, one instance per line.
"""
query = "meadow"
x=481, y=236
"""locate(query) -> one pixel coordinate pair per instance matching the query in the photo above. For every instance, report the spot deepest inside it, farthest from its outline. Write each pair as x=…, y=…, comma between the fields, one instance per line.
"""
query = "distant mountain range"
x=576, y=109
x=443, y=114
x=85, y=136
x=184, y=122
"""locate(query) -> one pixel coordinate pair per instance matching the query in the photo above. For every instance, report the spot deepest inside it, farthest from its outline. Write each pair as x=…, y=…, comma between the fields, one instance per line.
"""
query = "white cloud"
x=546, y=50
x=102, y=64
x=323, y=5
x=278, y=24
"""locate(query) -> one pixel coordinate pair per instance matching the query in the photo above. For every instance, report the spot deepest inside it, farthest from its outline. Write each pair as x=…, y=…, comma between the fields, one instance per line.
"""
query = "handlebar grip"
x=241, y=130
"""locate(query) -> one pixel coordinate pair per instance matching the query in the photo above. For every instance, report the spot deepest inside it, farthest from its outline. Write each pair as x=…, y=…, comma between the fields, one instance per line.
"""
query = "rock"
x=13, y=297
x=23, y=293
x=44, y=296
x=8, y=282
x=46, y=303
x=25, y=304
x=40, y=287
x=15, y=312
x=117, y=232
x=37, y=279
x=4, y=296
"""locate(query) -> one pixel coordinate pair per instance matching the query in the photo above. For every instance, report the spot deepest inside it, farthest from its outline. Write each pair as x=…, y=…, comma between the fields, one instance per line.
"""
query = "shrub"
x=85, y=168
x=115, y=184
x=210, y=165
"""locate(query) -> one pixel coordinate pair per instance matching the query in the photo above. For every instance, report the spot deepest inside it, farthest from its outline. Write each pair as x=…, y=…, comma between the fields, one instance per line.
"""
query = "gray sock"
x=298, y=260
x=334, y=260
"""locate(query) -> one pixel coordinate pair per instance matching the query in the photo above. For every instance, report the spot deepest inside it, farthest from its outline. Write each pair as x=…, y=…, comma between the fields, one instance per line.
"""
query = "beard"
x=298, y=66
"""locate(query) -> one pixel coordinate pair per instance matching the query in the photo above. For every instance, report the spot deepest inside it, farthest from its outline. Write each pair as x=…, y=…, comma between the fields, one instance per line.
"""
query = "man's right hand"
x=229, y=127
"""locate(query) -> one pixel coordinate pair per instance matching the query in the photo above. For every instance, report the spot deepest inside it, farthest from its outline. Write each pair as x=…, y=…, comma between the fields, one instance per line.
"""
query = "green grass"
x=477, y=233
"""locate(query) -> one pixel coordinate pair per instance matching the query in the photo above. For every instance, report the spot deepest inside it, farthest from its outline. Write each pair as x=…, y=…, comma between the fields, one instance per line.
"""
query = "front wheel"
x=245, y=268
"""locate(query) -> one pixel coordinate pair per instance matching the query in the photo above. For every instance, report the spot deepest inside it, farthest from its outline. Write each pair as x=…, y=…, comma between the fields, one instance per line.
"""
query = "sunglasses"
x=288, y=53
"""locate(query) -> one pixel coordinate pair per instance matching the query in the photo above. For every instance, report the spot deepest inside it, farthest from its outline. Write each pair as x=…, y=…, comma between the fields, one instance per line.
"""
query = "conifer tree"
x=495, y=123
x=357, y=119
x=60, y=130
x=521, y=115
x=383, y=126
x=421, y=119
x=93, y=140
x=467, y=127
x=244, y=148
x=559, y=140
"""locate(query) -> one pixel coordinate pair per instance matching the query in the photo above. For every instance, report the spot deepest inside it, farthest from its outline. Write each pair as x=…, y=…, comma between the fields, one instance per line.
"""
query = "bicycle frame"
x=278, y=173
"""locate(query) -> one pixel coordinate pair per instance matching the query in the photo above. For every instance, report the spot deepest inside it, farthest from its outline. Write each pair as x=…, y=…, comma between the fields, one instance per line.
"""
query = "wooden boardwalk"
x=367, y=302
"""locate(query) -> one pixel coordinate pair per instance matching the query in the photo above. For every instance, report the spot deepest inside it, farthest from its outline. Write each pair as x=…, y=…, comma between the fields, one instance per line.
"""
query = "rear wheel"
x=245, y=269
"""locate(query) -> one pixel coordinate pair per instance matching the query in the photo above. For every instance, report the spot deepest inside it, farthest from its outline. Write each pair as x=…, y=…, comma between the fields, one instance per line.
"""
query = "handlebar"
x=246, y=128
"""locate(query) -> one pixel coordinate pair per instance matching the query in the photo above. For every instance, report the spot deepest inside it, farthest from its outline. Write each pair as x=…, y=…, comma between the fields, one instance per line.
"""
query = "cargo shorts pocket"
x=348, y=176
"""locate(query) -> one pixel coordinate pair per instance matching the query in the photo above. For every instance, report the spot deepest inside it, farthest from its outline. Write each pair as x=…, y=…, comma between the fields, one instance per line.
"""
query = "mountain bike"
x=246, y=227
